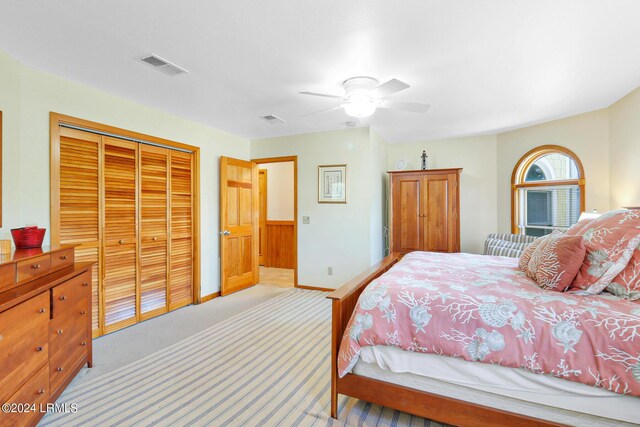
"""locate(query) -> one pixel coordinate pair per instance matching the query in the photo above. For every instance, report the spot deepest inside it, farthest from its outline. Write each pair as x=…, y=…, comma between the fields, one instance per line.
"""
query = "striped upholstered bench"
x=510, y=245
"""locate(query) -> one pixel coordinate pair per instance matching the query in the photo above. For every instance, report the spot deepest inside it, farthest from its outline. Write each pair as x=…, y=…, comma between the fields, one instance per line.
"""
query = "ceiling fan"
x=363, y=95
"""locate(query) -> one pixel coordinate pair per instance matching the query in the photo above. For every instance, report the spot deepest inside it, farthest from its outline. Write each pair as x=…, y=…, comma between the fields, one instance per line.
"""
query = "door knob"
x=225, y=233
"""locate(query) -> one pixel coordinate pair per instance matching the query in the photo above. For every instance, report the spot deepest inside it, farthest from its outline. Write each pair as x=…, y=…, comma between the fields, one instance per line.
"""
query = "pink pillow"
x=558, y=261
x=610, y=240
x=523, y=262
x=575, y=229
x=532, y=266
x=627, y=283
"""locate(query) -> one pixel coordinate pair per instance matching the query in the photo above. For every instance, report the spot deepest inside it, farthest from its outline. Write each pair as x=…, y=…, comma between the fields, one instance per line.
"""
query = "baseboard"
x=209, y=297
x=315, y=288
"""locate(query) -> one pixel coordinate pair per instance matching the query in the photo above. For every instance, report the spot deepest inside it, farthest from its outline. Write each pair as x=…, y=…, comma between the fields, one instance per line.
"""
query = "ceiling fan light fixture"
x=360, y=105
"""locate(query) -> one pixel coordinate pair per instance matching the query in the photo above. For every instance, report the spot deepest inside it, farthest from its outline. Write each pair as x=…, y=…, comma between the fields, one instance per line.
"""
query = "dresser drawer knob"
x=84, y=343
x=121, y=241
x=60, y=369
x=41, y=391
x=63, y=297
x=42, y=310
x=83, y=312
x=35, y=266
x=60, y=331
x=39, y=349
x=85, y=284
x=63, y=257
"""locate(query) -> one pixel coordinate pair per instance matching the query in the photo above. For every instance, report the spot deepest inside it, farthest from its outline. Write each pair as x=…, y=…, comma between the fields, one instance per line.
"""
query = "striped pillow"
x=509, y=245
x=503, y=248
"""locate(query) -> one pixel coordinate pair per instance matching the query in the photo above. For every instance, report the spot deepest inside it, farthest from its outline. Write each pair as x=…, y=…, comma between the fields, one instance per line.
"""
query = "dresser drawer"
x=64, y=326
x=7, y=276
x=62, y=259
x=33, y=392
x=34, y=267
x=24, y=344
x=65, y=360
x=67, y=294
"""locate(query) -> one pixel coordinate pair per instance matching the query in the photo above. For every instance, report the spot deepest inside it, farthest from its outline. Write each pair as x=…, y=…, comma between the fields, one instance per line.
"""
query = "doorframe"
x=285, y=159
x=57, y=119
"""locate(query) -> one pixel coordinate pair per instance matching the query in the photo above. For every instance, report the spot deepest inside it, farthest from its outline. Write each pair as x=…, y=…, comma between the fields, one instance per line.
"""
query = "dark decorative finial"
x=424, y=160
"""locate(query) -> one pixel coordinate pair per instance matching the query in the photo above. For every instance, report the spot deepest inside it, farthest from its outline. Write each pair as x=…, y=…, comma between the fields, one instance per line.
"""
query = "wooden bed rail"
x=345, y=299
x=417, y=402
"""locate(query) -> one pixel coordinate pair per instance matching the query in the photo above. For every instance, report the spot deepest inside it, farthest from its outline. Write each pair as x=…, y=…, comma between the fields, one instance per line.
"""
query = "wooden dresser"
x=425, y=210
x=45, y=329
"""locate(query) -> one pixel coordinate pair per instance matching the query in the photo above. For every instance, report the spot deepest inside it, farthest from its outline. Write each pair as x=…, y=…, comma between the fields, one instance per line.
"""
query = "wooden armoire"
x=425, y=210
x=129, y=207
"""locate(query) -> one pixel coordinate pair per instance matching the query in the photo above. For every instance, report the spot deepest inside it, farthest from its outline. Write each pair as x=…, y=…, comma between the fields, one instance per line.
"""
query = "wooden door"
x=79, y=205
x=181, y=231
x=262, y=216
x=440, y=205
x=408, y=214
x=239, y=211
x=120, y=243
x=154, y=229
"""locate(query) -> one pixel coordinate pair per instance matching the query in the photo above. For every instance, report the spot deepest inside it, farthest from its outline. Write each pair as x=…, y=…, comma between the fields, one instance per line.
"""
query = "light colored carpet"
x=267, y=366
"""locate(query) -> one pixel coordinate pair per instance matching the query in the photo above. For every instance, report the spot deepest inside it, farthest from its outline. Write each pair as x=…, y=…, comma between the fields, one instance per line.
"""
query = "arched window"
x=548, y=191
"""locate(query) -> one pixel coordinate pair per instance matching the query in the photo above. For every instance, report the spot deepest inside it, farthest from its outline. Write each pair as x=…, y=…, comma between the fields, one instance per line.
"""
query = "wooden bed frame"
x=417, y=402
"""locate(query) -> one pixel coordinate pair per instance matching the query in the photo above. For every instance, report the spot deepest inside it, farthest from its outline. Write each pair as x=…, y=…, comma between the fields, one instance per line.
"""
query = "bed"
x=500, y=352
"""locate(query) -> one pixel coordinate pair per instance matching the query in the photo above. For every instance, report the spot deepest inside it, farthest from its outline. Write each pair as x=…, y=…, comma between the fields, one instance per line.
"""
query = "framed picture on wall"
x=332, y=184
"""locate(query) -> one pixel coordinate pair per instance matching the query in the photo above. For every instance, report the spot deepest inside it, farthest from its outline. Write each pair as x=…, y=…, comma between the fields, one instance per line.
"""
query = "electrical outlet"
x=330, y=271
x=306, y=220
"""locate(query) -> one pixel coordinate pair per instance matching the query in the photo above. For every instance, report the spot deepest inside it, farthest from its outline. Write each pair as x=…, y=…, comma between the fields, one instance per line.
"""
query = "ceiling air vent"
x=163, y=65
x=274, y=120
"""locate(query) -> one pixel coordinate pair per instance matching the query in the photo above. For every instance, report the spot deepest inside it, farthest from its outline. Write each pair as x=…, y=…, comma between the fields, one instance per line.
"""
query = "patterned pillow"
x=558, y=261
x=575, y=229
x=532, y=267
x=627, y=283
x=611, y=240
x=523, y=262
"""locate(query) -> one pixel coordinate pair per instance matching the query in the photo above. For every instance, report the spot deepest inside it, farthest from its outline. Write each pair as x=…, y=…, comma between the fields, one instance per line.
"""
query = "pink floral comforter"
x=483, y=308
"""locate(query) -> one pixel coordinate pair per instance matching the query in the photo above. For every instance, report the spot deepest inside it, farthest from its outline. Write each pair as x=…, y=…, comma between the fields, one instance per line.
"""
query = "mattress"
x=514, y=390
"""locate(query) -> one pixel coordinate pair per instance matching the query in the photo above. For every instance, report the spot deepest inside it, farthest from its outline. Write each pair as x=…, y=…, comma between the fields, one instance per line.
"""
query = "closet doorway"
x=130, y=204
x=278, y=224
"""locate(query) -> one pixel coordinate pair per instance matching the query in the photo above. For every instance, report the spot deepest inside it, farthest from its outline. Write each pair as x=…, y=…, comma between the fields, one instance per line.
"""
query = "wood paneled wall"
x=280, y=244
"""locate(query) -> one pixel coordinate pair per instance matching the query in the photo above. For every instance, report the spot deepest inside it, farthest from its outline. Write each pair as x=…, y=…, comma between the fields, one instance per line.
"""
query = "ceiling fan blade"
x=326, y=110
x=413, y=107
x=388, y=88
x=320, y=94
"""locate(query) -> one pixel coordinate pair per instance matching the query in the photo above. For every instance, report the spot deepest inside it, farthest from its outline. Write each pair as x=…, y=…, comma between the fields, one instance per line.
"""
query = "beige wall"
x=624, y=133
x=587, y=135
x=27, y=97
x=339, y=235
x=279, y=191
x=477, y=156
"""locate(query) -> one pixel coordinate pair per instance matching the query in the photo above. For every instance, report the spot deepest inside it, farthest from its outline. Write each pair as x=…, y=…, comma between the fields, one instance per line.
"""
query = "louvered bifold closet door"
x=154, y=217
x=181, y=243
x=79, y=210
x=120, y=236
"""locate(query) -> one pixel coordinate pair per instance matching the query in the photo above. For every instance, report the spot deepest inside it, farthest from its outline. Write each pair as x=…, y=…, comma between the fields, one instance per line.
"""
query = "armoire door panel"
x=181, y=257
x=407, y=222
x=436, y=231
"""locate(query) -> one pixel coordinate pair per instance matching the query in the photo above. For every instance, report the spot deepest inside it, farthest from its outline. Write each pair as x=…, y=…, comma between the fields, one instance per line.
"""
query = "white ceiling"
x=483, y=65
